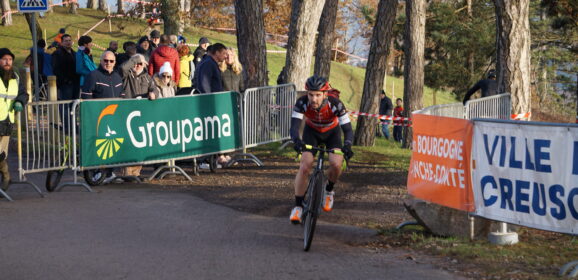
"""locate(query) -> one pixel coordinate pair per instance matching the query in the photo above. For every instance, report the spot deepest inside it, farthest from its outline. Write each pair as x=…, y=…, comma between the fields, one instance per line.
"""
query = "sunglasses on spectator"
x=140, y=64
x=167, y=76
x=108, y=60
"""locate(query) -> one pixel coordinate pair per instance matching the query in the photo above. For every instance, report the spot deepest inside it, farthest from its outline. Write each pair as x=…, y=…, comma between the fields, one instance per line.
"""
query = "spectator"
x=201, y=50
x=63, y=64
x=385, y=108
x=208, y=76
x=44, y=61
x=15, y=98
x=187, y=67
x=166, y=87
x=84, y=62
x=113, y=47
x=136, y=81
x=488, y=86
x=143, y=47
x=398, y=125
x=164, y=53
x=136, y=84
x=232, y=70
x=174, y=39
x=129, y=51
x=58, y=39
x=103, y=82
x=155, y=39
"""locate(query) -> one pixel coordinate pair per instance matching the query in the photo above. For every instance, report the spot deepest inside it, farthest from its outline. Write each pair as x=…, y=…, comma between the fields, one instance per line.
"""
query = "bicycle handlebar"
x=310, y=147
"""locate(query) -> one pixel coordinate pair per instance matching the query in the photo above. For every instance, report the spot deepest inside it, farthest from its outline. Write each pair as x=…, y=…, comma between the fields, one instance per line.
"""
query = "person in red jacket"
x=164, y=53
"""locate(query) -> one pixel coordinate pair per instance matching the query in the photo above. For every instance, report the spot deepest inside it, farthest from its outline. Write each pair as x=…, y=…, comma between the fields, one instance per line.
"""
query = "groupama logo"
x=106, y=147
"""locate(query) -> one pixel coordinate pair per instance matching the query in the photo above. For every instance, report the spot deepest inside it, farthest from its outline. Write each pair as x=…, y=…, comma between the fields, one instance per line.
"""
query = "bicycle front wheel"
x=94, y=177
x=312, y=205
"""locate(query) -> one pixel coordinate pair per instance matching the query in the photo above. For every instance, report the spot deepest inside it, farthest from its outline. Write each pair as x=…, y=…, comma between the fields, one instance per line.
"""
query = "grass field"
x=347, y=78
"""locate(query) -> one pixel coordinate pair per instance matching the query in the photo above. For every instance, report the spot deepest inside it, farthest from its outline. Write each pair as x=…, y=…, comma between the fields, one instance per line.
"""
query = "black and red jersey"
x=330, y=114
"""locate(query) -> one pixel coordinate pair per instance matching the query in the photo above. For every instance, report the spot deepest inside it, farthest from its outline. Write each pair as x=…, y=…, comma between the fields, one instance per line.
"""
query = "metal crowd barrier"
x=494, y=107
x=50, y=139
x=266, y=117
x=454, y=110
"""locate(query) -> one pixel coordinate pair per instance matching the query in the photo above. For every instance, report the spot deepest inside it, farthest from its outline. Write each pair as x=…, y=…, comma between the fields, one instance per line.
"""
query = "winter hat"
x=204, y=40
x=5, y=51
x=155, y=34
x=166, y=68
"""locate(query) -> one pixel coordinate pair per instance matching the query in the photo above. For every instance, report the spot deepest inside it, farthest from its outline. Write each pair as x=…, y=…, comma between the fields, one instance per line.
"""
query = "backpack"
x=333, y=93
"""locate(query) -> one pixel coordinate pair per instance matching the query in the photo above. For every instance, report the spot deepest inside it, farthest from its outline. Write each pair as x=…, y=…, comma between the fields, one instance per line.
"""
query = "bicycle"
x=93, y=177
x=314, y=195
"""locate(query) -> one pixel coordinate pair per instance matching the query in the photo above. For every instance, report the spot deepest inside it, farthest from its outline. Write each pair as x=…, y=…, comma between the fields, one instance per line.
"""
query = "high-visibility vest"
x=7, y=97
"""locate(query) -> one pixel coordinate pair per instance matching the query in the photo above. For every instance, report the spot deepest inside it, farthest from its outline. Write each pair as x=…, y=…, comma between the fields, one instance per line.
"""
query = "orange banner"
x=439, y=171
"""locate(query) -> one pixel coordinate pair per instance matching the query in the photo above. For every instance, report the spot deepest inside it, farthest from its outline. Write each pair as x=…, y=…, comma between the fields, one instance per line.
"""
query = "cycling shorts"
x=331, y=138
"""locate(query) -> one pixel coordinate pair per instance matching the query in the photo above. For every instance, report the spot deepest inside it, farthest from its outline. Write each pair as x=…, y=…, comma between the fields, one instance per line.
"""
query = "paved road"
x=147, y=233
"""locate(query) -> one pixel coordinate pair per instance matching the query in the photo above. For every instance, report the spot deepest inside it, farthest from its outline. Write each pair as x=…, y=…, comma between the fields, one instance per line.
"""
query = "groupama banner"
x=527, y=174
x=137, y=130
x=439, y=170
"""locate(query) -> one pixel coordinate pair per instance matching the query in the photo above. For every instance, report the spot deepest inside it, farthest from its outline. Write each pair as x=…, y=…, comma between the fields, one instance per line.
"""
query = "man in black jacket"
x=201, y=50
x=488, y=86
x=208, y=75
x=103, y=82
x=385, y=108
x=63, y=65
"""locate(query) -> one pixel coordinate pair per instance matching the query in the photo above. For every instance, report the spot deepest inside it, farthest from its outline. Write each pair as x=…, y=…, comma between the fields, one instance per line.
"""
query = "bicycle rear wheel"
x=312, y=205
x=53, y=179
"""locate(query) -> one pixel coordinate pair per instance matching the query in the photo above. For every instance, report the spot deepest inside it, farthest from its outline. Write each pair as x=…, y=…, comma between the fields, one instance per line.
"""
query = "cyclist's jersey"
x=331, y=113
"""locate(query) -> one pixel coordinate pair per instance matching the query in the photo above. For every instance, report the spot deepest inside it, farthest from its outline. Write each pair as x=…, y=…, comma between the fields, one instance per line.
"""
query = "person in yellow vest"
x=13, y=97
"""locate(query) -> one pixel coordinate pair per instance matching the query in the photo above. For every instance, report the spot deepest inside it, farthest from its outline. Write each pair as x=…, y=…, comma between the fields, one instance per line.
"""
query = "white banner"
x=527, y=174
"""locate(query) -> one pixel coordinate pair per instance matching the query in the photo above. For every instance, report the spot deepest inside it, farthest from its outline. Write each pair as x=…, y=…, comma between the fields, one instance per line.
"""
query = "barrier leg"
x=245, y=157
x=3, y=194
x=566, y=269
x=503, y=237
x=172, y=169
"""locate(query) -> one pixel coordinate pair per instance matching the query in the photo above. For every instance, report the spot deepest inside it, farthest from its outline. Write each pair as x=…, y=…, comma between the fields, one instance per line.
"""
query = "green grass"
x=348, y=79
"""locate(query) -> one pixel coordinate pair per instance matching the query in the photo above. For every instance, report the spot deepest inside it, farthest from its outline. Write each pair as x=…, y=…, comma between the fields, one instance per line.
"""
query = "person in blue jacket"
x=84, y=62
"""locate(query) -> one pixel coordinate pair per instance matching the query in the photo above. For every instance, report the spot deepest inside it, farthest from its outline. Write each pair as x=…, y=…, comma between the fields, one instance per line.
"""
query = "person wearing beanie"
x=15, y=98
x=143, y=46
x=164, y=53
x=84, y=62
x=155, y=38
x=201, y=50
x=166, y=87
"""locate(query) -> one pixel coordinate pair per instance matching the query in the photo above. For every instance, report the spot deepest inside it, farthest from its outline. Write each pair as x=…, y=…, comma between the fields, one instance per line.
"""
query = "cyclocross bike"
x=314, y=195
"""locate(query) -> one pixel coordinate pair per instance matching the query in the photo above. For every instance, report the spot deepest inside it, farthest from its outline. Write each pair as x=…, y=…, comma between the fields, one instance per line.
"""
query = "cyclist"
x=325, y=118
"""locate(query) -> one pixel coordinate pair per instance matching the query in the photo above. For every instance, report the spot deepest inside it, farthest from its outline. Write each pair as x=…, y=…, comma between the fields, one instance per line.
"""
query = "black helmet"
x=317, y=83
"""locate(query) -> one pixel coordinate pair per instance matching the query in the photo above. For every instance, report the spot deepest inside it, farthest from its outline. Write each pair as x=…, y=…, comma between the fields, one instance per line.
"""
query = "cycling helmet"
x=317, y=83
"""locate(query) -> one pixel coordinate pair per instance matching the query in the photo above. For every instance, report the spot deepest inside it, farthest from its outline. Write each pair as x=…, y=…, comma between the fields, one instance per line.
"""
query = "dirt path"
x=366, y=196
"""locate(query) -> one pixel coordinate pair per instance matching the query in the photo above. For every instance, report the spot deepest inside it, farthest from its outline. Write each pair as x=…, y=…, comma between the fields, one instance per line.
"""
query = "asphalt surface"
x=141, y=232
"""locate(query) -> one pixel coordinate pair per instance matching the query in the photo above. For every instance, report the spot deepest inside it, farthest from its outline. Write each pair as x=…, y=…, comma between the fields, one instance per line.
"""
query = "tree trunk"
x=170, y=15
x=251, y=41
x=28, y=17
x=119, y=7
x=92, y=4
x=49, y=3
x=413, y=74
x=325, y=38
x=102, y=5
x=305, y=15
x=513, y=52
x=7, y=19
x=375, y=71
x=72, y=8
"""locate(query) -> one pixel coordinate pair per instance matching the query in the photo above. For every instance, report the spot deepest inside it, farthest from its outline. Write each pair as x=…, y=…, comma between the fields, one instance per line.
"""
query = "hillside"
x=347, y=78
